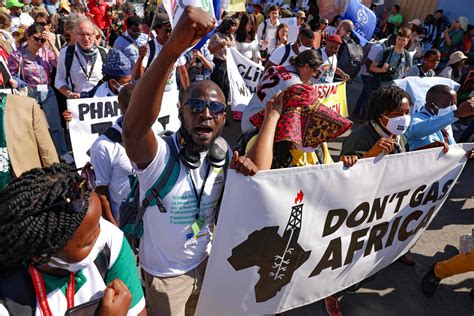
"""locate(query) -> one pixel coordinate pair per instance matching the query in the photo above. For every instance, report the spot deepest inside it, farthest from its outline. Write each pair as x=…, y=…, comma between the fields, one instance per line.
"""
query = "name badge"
x=42, y=88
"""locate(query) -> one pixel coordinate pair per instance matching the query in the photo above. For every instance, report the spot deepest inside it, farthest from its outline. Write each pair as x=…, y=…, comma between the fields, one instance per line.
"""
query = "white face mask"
x=398, y=125
x=448, y=109
x=56, y=262
x=118, y=86
x=302, y=48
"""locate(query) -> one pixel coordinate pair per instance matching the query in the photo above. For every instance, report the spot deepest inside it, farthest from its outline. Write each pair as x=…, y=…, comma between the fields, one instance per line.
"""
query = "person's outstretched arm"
x=145, y=104
x=261, y=153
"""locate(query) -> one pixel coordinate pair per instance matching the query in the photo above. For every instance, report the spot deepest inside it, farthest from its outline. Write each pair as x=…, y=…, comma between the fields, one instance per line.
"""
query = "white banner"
x=250, y=71
x=293, y=28
x=286, y=238
x=91, y=117
x=418, y=87
x=239, y=93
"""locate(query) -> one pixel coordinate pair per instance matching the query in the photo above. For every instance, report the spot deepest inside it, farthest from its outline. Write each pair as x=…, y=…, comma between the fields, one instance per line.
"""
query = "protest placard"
x=240, y=95
x=250, y=71
x=333, y=95
x=91, y=117
x=289, y=237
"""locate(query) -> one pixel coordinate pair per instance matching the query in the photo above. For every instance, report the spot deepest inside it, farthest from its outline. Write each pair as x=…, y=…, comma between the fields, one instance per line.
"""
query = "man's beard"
x=191, y=145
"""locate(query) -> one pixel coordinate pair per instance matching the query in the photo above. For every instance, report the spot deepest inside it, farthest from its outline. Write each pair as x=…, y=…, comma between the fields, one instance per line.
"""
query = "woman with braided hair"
x=57, y=252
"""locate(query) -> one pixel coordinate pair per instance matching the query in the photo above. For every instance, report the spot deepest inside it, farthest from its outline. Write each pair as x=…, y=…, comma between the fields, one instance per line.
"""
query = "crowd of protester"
x=59, y=228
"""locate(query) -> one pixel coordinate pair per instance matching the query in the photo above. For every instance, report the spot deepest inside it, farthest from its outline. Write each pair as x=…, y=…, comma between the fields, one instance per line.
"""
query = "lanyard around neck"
x=199, y=196
x=41, y=295
x=84, y=69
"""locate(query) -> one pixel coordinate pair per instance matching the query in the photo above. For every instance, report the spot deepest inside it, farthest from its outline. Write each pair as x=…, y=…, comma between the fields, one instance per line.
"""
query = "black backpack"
x=70, y=57
x=351, y=57
x=17, y=293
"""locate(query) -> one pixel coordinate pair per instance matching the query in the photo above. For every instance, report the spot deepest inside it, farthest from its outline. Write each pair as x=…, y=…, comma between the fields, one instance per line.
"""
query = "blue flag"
x=364, y=20
x=217, y=13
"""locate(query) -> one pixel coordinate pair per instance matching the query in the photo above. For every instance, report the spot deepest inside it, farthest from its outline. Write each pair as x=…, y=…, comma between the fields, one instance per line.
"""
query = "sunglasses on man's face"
x=43, y=24
x=75, y=197
x=198, y=105
x=39, y=39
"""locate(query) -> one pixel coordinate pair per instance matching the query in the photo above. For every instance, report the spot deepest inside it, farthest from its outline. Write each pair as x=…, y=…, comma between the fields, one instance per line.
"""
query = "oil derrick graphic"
x=277, y=256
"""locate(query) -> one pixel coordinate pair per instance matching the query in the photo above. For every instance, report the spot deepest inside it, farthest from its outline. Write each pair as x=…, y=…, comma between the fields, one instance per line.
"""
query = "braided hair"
x=30, y=233
x=384, y=100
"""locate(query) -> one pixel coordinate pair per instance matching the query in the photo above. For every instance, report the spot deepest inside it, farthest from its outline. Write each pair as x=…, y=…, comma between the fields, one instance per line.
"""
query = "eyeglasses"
x=75, y=197
x=198, y=105
x=43, y=24
x=89, y=35
x=39, y=39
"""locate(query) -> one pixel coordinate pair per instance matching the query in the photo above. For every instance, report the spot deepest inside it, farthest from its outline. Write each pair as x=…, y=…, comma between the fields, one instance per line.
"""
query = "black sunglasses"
x=43, y=24
x=75, y=197
x=198, y=105
x=39, y=39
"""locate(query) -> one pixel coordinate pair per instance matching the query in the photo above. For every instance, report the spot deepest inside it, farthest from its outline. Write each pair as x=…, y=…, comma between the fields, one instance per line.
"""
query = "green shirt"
x=395, y=19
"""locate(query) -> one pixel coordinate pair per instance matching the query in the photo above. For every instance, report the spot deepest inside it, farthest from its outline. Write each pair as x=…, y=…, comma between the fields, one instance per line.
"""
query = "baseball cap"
x=335, y=38
x=161, y=19
x=323, y=21
x=301, y=14
x=14, y=3
x=416, y=22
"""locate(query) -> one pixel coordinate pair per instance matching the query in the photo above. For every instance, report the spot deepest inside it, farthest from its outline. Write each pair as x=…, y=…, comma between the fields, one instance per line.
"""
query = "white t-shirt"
x=249, y=50
x=269, y=31
x=279, y=53
x=171, y=84
x=327, y=68
x=112, y=168
x=168, y=246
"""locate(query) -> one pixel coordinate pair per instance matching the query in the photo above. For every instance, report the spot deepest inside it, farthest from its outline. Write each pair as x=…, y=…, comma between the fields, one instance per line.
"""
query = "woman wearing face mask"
x=34, y=64
x=57, y=251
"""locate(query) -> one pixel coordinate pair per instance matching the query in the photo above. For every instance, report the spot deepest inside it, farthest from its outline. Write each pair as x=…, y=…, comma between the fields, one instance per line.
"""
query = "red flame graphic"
x=299, y=197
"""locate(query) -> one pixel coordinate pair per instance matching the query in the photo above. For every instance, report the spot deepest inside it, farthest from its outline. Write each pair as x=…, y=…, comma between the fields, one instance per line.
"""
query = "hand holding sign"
x=191, y=27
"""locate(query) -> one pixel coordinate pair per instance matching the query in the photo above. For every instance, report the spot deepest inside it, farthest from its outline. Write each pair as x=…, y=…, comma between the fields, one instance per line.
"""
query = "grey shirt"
x=399, y=62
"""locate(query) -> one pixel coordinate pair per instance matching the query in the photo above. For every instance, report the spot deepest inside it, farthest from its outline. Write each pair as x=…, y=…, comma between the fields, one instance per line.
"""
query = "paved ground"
x=396, y=289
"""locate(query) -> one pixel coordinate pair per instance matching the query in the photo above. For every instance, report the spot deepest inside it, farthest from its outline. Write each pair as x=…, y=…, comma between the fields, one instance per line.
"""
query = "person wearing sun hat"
x=454, y=67
x=17, y=16
x=117, y=72
x=293, y=129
